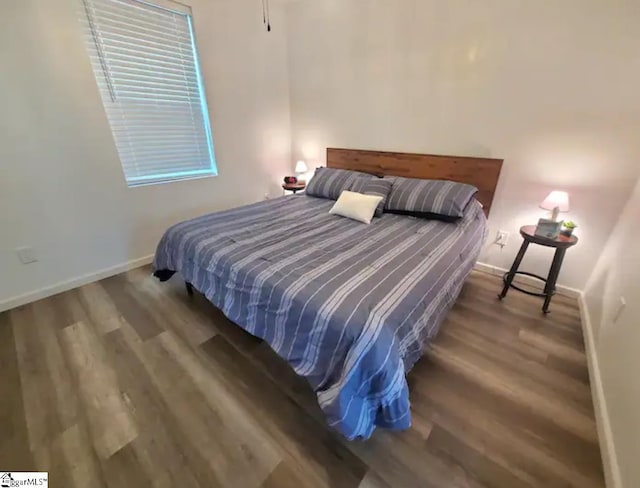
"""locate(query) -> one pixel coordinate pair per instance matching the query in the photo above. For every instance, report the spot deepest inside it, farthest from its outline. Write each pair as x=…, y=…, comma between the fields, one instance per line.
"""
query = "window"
x=146, y=65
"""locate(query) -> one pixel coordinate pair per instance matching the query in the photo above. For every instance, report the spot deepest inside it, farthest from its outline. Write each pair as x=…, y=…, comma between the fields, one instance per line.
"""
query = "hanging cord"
x=264, y=13
x=268, y=16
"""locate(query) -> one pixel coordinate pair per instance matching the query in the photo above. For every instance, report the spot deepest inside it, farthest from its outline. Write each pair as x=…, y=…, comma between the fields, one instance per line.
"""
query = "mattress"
x=350, y=306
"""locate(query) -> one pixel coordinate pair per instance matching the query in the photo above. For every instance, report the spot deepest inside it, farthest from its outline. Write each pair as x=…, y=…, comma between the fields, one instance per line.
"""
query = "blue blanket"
x=350, y=306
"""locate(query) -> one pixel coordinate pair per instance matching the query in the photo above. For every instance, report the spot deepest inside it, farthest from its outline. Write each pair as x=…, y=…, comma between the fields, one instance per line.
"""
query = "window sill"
x=176, y=180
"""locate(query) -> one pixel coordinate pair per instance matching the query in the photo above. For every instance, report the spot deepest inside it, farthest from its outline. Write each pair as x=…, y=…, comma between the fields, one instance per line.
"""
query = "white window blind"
x=146, y=65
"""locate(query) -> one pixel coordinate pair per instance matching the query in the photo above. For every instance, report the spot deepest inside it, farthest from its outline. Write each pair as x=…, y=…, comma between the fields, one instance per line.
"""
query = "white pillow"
x=356, y=206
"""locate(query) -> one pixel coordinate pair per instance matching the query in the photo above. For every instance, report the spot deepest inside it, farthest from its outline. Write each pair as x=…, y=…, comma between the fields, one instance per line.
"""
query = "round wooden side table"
x=295, y=187
x=560, y=243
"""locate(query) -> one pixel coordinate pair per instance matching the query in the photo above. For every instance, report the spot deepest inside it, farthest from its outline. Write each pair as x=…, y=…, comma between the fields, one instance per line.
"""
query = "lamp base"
x=555, y=213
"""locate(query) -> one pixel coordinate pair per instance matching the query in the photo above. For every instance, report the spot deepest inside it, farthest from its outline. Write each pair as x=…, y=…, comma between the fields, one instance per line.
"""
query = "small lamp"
x=556, y=202
x=301, y=169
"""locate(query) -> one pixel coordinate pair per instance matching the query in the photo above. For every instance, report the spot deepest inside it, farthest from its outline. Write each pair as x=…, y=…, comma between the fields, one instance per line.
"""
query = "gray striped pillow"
x=373, y=186
x=430, y=197
x=330, y=182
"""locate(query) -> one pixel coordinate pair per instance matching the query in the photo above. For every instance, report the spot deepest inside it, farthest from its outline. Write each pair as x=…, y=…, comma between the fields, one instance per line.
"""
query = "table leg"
x=514, y=267
x=554, y=271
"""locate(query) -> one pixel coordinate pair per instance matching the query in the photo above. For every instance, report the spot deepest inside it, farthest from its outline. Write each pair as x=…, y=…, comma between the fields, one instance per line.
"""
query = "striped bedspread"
x=348, y=305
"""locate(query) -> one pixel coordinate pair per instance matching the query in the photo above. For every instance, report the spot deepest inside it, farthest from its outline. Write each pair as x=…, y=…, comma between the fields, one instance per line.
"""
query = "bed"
x=349, y=306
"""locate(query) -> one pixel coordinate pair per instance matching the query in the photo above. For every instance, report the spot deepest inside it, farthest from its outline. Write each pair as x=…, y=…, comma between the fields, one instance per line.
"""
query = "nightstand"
x=294, y=187
x=560, y=244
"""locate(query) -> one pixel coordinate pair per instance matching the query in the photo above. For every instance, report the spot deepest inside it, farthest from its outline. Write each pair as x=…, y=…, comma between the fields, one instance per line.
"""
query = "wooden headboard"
x=483, y=173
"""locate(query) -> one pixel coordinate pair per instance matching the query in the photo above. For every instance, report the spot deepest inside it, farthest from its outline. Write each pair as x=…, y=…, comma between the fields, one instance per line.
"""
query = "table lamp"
x=556, y=202
x=301, y=169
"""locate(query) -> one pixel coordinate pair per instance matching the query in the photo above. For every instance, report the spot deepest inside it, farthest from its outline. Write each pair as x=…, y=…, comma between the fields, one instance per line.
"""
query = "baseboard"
x=495, y=270
x=605, y=435
x=72, y=283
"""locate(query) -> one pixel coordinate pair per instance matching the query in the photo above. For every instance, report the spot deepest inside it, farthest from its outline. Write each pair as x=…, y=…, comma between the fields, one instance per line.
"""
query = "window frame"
x=168, y=176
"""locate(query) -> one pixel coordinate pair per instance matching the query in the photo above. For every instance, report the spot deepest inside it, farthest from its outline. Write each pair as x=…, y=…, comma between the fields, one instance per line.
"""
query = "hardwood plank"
x=81, y=457
x=553, y=347
x=467, y=321
x=239, y=430
x=49, y=457
x=102, y=312
x=401, y=459
x=70, y=459
x=69, y=309
x=532, y=373
x=110, y=421
x=523, y=393
x=474, y=463
x=58, y=371
x=38, y=392
x=372, y=480
x=188, y=322
x=231, y=458
x=491, y=413
x=124, y=468
x=14, y=441
x=283, y=477
x=241, y=340
x=508, y=444
x=136, y=313
x=323, y=462
x=564, y=321
x=518, y=317
x=576, y=371
x=161, y=442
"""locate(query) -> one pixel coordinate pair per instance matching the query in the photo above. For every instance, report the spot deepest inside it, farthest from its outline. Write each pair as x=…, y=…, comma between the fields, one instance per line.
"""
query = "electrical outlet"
x=27, y=255
x=502, y=238
x=266, y=196
x=622, y=303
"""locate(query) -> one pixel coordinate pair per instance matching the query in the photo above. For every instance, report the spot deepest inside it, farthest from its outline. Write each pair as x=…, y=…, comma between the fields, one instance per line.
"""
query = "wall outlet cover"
x=27, y=255
x=502, y=238
x=622, y=303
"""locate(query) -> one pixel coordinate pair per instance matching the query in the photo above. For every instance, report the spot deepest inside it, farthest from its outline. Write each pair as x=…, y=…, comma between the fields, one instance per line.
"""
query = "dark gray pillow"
x=330, y=182
x=373, y=186
x=430, y=197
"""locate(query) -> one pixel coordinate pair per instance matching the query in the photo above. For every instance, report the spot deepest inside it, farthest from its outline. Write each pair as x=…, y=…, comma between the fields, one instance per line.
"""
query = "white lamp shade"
x=559, y=199
x=301, y=167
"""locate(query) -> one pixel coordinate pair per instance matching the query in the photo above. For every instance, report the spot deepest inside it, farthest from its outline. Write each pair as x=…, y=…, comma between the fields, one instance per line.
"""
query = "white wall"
x=551, y=87
x=61, y=185
x=616, y=337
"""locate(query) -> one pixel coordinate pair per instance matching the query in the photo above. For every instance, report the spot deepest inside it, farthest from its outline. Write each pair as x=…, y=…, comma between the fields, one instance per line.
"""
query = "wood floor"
x=130, y=382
